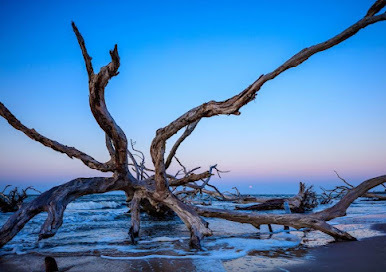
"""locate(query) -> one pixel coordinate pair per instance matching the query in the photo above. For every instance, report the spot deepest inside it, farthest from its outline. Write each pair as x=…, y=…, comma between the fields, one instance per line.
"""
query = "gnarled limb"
x=233, y=104
x=189, y=129
x=97, y=85
x=198, y=227
x=190, y=178
x=54, y=202
x=340, y=191
x=312, y=220
x=345, y=189
x=339, y=209
x=72, y=152
x=296, y=221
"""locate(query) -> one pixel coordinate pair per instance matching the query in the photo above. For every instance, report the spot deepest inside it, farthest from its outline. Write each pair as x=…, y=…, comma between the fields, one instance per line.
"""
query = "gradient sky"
x=327, y=114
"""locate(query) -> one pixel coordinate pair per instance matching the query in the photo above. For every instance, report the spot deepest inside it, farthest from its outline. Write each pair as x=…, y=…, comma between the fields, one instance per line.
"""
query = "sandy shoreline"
x=365, y=255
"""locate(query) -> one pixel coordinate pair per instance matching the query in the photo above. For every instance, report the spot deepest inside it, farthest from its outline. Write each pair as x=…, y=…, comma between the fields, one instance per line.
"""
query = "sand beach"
x=368, y=254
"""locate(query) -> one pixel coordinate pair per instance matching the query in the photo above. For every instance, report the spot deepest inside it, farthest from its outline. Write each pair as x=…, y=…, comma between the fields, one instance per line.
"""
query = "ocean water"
x=99, y=224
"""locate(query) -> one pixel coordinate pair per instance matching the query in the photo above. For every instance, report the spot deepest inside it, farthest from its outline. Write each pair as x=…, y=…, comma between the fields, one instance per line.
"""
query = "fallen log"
x=316, y=221
x=304, y=201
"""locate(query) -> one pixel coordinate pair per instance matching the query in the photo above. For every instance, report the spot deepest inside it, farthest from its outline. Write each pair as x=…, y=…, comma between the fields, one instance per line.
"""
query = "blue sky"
x=327, y=114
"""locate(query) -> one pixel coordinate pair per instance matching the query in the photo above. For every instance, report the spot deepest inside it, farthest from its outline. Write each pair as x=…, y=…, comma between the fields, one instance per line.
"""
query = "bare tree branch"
x=5, y=188
x=340, y=208
x=140, y=168
x=86, y=56
x=189, y=178
x=54, y=202
x=233, y=105
x=97, y=85
x=340, y=191
x=189, y=129
x=71, y=152
x=342, y=179
x=376, y=7
x=311, y=220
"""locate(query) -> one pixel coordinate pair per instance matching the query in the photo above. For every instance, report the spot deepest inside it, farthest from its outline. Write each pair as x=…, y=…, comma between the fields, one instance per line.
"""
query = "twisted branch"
x=97, y=85
x=233, y=104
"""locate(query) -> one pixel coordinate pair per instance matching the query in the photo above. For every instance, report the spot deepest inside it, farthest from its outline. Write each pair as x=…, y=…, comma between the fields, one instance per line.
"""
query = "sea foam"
x=92, y=205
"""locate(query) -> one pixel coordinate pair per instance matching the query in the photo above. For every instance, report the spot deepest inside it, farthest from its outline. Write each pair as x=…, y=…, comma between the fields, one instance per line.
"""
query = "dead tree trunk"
x=130, y=176
x=305, y=200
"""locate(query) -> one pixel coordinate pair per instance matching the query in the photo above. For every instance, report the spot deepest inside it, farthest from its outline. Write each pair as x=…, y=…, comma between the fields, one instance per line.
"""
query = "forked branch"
x=54, y=202
x=233, y=104
x=189, y=129
x=342, y=190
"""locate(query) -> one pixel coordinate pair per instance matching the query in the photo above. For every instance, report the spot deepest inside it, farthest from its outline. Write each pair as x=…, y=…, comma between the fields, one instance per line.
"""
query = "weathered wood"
x=71, y=152
x=305, y=200
x=315, y=221
x=339, y=209
x=135, y=217
x=341, y=190
x=97, y=85
x=375, y=196
x=376, y=7
x=54, y=202
x=233, y=104
x=198, y=227
x=189, y=129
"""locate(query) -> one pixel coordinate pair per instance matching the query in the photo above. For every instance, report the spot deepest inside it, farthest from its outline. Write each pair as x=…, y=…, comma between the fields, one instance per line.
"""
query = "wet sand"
x=365, y=255
x=35, y=262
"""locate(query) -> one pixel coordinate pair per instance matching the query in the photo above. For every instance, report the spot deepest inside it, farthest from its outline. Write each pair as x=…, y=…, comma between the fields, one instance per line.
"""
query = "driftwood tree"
x=304, y=201
x=157, y=186
x=339, y=191
x=13, y=200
